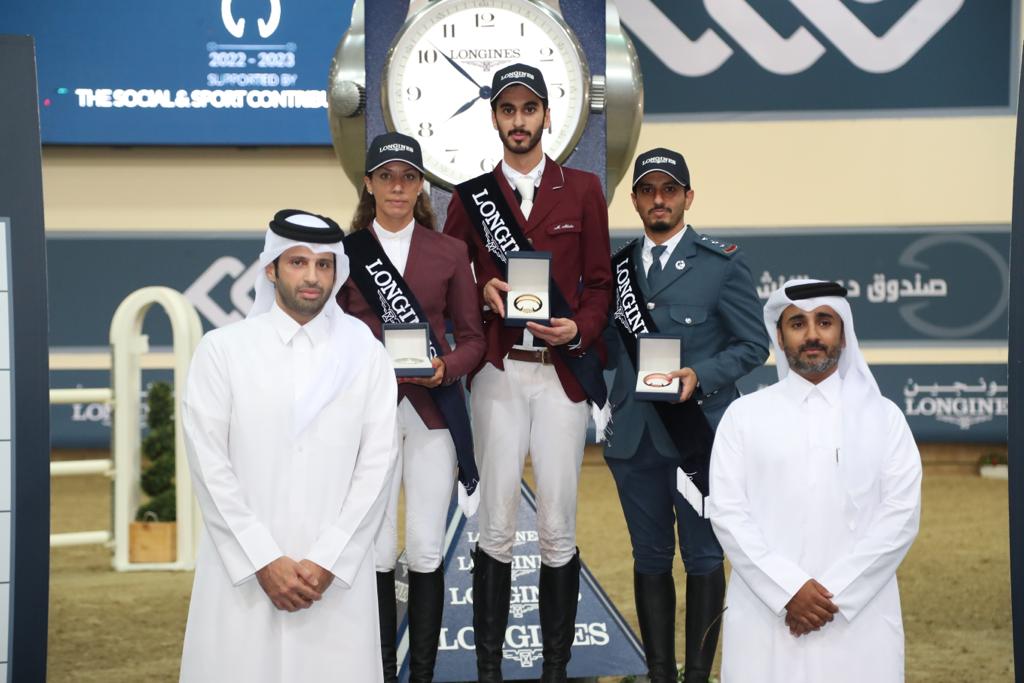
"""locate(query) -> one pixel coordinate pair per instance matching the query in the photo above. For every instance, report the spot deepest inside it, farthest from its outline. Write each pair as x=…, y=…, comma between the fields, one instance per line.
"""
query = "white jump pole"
x=127, y=345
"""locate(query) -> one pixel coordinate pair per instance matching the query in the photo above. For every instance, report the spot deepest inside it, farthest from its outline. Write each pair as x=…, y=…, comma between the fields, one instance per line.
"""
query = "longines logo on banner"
x=960, y=403
x=524, y=599
x=841, y=45
x=523, y=641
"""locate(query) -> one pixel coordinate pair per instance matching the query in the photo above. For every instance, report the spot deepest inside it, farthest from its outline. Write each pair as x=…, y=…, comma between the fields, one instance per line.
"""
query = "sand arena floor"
x=109, y=627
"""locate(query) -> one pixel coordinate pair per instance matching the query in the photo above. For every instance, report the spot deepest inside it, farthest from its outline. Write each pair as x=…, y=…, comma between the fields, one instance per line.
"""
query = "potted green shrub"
x=153, y=536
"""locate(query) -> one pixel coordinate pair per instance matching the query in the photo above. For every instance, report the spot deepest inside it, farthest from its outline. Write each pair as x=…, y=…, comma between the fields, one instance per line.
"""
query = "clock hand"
x=457, y=67
x=464, y=107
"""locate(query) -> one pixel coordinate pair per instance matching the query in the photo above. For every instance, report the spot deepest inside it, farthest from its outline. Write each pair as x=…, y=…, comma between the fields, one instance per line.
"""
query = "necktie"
x=655, y=272
x=524, y=186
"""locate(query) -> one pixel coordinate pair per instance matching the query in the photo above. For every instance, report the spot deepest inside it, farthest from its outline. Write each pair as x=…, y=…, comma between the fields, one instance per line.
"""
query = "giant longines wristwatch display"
x=436, y=75
x=437, y=80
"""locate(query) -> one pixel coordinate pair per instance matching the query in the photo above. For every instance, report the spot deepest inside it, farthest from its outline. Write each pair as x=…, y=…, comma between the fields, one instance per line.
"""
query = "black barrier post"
x=1016, y=395
x=25, y=401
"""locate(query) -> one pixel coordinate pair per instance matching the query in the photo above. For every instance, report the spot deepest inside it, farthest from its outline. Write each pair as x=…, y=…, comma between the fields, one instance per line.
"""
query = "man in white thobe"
x=815, y=498
x=289, y=418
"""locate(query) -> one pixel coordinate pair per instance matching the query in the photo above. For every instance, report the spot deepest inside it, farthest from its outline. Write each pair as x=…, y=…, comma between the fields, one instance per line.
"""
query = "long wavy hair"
x=366, y=211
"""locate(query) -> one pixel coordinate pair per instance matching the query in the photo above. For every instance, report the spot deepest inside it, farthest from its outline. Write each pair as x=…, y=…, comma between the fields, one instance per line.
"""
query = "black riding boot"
x=426, y=604
x=705, y=595
x=388, y=624
x=492, y=586
x=559, y=595
x=655, y=596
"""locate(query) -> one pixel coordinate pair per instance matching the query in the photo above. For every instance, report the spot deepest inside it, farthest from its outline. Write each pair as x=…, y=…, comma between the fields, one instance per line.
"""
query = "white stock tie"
x=525, y=187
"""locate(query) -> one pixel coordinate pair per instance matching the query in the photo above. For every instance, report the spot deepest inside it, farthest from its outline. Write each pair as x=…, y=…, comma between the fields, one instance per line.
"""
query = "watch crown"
x=597, y=94
x=348, y=98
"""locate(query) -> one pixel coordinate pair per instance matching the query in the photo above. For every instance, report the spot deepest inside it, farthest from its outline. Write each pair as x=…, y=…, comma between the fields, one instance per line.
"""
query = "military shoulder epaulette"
x=720, y=248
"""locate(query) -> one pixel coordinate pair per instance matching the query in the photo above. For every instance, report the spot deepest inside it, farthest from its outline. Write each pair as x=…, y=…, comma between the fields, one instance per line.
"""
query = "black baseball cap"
x=393, y=147
x=664, y=160
x=519, y=74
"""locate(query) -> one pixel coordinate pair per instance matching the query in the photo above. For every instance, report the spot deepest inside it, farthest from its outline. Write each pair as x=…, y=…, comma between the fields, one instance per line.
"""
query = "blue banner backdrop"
x=227, y=72
x=773, y=56
x=909, y=286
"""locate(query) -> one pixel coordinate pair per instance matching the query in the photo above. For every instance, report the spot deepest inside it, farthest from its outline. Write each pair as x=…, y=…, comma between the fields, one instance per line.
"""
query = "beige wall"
x=161, y=188
x=840, y=172
x=796, y=173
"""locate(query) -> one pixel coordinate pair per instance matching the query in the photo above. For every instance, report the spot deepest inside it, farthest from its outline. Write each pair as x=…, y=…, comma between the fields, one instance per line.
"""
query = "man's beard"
x=662, y=225
x=526, y=148
x=801, y=366
x=293, y=302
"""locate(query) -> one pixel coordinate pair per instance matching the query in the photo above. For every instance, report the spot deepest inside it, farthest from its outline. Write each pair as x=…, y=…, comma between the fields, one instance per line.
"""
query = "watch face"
x=438, y=75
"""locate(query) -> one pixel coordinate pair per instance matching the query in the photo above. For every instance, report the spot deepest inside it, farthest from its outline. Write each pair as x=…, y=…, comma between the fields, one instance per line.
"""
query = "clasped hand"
x=292, y=585
x=560, y=331
x=810, y=609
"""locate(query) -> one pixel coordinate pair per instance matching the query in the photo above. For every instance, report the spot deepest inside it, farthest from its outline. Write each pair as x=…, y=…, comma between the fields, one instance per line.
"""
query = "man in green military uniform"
x=675, y=281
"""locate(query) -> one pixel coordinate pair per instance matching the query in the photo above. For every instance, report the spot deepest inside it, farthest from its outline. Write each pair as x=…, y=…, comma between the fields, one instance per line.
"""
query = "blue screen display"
x=218, y=72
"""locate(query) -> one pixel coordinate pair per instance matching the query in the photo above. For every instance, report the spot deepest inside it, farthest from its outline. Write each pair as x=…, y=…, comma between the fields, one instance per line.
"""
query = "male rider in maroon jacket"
x=525, y=397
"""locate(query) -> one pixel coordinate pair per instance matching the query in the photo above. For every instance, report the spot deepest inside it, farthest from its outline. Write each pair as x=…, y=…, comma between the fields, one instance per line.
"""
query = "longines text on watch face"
x=438, y=78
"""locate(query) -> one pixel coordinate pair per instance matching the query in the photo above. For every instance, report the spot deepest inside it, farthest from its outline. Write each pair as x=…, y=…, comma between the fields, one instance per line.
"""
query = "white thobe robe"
x=784, y=513
x=265, y=493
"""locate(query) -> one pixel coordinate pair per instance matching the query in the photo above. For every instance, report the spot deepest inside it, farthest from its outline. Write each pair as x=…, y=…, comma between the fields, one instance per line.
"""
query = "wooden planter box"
x=153, y=542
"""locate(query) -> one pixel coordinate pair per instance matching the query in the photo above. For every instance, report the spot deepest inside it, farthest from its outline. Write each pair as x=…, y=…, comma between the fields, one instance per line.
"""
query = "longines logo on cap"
x=658, y=160
x=396, y=147
x=517, y=74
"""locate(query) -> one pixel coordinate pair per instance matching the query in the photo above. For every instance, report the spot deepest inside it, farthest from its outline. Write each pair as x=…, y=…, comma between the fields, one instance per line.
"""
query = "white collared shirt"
x=801, y=390
x=316, y=330
x=535, y=174
x=308, y=343
x=396, y=244
x=823, y=405
x=647, y=258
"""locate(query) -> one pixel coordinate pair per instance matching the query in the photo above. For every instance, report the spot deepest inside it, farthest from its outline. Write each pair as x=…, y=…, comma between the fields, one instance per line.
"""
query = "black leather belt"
x=542, y=356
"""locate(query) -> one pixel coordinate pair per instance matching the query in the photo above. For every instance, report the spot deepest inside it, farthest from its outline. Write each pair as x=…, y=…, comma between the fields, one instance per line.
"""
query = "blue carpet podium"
x=604, y=645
